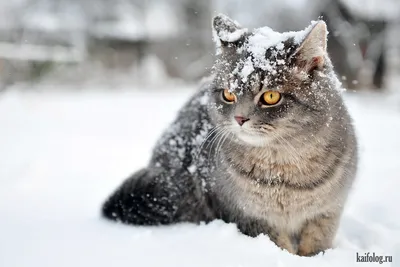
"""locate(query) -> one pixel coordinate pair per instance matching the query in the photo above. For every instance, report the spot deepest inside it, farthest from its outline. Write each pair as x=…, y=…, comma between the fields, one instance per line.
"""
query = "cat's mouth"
x=253, y=137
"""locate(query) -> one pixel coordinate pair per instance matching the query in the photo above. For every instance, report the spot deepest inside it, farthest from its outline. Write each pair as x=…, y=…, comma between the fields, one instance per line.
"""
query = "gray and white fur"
x=284, y=170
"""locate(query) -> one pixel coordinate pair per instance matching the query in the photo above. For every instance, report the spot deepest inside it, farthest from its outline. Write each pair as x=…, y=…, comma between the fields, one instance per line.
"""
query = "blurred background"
x=147, y=42
x=88, y=86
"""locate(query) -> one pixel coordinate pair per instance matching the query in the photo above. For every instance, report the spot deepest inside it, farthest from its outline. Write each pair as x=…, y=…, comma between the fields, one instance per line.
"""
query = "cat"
x=266, y=143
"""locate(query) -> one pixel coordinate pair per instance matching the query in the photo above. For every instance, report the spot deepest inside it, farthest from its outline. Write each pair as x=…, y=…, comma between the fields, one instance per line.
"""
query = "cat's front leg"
x=285, y=241
x=282, y=239
x=317, y=234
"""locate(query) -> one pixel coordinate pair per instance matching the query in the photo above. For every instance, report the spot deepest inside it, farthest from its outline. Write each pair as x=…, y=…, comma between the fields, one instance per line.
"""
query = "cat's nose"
x=241, y=120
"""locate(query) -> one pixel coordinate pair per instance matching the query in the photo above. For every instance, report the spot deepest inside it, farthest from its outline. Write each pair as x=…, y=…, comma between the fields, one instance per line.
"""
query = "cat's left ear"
x=226, y=30
x=311, y=52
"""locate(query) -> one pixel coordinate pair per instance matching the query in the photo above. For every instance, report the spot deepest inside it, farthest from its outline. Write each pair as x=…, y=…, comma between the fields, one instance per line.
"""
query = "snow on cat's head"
x=269, y=84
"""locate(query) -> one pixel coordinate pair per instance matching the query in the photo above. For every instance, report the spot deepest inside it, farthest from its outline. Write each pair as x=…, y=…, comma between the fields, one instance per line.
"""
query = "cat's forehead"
x=262, y=59
x=248, y=74
x=258, y=81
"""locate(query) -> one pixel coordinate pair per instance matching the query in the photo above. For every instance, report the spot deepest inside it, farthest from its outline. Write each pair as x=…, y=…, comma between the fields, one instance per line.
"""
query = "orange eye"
x=228, y=96
x=270, y=98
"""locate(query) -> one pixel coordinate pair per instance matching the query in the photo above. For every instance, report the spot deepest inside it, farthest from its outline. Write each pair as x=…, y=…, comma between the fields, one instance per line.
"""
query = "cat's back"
x=179, y=145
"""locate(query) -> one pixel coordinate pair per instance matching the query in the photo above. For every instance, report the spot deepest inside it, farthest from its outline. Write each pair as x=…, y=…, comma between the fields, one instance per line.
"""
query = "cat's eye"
x=228, y=97
x=270, y=98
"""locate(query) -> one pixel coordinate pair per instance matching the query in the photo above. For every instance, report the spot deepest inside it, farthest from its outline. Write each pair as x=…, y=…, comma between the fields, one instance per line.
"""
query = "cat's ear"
x=226, y=30
x=312, y=50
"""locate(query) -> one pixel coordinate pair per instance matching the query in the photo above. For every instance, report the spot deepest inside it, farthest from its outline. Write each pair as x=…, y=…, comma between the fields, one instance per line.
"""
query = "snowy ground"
x=62, y=153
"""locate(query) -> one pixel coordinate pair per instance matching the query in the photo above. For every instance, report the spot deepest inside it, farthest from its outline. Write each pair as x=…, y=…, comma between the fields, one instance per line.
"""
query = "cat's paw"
x=285, y=243
x=307, y=249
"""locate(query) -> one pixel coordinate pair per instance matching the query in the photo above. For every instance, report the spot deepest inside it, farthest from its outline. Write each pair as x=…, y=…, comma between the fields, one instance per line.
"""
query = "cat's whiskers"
x=206, y=139
x=216, y=139
x=209, y=134
x=219, y=132
x=216, y=134
x=225, y=135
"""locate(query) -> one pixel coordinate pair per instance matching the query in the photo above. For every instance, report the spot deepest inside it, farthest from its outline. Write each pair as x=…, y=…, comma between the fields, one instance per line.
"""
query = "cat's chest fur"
x=263, y=187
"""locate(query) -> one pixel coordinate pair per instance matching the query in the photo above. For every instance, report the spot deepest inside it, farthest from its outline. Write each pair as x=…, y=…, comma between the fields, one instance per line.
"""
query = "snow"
x=63, y=152
x=259, y=41
x=232, y=36
x=264, y=38
x=247, y=69
x=226, y=34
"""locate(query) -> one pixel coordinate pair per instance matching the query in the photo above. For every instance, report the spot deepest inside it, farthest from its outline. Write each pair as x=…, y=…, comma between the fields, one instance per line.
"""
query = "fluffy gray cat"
x=267, y=143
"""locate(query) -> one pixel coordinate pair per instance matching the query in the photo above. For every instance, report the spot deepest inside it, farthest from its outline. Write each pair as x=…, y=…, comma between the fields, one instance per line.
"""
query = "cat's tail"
x=136, y=202
x=149, y=197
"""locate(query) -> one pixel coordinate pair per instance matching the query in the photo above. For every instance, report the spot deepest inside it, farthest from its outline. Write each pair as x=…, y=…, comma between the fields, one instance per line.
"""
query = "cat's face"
x=271, y=87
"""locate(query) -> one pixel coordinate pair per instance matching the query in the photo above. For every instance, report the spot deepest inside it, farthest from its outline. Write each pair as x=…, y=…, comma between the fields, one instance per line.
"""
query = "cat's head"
x=268, y=85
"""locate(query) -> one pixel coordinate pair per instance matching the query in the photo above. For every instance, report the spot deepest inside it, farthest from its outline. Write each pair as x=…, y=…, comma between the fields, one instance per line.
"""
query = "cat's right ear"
x=226, y=31
x=311, y=52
